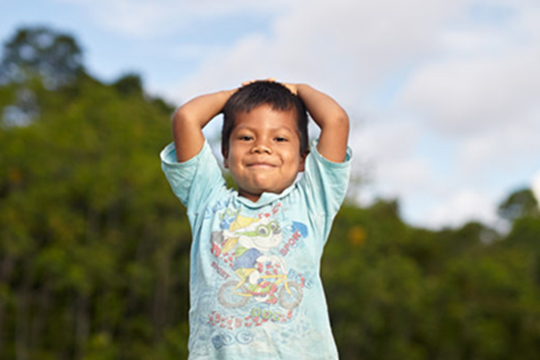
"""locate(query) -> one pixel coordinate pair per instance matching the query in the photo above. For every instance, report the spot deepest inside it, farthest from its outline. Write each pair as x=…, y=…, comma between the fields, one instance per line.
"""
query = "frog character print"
x=249, y=247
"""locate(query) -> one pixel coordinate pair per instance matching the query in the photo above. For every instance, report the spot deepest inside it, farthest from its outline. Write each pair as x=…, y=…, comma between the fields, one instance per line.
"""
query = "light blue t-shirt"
x=255, y=288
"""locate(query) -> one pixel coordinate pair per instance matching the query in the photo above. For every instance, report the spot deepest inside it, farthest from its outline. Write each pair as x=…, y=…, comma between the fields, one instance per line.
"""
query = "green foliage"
x=94, y=248
x=398, y=292
x=39, y=52
x=519, y=204
x=129, y=84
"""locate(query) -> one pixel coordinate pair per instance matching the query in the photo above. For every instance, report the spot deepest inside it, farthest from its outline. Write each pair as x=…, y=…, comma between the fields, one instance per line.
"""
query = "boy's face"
x=264, y=151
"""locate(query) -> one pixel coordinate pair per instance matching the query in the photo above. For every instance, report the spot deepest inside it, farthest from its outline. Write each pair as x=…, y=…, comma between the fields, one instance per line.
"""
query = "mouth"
x=261, y=165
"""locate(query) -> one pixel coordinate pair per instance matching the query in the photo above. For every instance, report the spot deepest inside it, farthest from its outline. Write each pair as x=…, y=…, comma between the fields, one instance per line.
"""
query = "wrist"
x=226, y=95
x=302, y=89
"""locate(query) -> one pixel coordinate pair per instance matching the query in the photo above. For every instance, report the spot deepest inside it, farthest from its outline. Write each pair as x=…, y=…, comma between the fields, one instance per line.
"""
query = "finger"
x=252, y=81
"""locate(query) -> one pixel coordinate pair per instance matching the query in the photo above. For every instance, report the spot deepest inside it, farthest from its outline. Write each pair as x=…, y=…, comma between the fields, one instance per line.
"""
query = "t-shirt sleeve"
x=194, y=181
x=324, y=184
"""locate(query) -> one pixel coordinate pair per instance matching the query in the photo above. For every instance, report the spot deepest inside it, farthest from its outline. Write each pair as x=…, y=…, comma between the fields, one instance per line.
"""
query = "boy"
x=255, y=288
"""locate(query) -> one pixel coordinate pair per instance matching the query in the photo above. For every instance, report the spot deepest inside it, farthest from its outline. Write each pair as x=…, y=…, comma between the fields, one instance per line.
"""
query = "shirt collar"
x=265, y=198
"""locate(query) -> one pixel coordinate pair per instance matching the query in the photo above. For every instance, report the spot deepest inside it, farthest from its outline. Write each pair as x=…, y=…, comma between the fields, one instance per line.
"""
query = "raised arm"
x=330, y=117
x=189, y=120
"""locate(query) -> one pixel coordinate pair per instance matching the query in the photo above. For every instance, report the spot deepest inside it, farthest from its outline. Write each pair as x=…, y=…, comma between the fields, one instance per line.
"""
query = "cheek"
x=294, y=157
x=233, y=158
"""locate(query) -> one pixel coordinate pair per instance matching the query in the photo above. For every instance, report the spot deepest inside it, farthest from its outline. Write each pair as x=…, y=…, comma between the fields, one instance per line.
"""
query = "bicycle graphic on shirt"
x=247, y=248
x=270, y=288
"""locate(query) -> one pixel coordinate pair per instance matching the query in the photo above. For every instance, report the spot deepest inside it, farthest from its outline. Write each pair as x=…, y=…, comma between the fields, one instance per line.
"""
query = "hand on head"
x=252, y=81
x=292, y=87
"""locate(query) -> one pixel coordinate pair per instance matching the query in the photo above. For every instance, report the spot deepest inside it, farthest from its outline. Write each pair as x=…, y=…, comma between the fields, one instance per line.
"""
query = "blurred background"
x=434, y=256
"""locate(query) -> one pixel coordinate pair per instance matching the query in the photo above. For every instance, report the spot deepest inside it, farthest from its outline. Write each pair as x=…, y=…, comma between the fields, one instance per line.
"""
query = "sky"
x=442, y=95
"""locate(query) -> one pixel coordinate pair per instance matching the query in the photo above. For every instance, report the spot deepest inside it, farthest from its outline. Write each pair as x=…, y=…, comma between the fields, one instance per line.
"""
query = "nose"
x=261, y=147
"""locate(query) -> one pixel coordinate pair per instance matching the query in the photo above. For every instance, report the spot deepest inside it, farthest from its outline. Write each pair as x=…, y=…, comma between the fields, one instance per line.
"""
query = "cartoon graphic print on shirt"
x=256, y=286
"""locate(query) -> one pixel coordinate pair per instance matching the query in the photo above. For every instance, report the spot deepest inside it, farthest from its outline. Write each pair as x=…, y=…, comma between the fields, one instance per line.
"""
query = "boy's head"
x=265, y=139
x=271, y=93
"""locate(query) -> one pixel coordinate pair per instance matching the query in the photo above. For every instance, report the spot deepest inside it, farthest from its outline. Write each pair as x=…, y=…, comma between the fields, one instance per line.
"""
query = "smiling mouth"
x=261, y=166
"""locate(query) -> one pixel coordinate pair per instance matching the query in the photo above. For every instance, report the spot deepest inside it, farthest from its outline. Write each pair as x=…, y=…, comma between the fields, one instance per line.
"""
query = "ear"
x=302, y=165
x=225, y=154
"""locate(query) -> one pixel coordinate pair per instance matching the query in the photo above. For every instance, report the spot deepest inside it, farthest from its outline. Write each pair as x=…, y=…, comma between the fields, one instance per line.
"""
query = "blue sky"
x=443, y=96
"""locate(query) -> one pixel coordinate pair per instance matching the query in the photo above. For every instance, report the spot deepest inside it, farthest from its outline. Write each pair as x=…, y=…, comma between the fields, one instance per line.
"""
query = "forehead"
x=264, y=117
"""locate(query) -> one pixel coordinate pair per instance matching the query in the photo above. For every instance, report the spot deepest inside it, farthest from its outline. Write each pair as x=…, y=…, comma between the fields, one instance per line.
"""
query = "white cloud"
x=510, y=148
x=381, y=138
x=464, y=95
x=463, y=206
x=484, y=76
x=158, y=17
x=403, y=178
x=386, y=148
x=345, y=47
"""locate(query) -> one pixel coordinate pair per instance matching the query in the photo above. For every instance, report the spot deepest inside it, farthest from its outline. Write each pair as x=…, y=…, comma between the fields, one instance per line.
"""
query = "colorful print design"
x=257, y=286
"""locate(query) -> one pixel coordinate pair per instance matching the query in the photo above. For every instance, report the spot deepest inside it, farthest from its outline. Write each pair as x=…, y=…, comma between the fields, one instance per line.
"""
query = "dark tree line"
x=94, y=248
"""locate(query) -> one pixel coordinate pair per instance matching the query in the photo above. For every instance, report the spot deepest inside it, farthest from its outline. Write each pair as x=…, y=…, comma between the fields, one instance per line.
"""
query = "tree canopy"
x=39, y=52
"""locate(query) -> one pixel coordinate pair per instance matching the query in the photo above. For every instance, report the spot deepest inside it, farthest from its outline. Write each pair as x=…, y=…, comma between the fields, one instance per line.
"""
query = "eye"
x=274, y=226
x=245, y=137
x=281, y=139
x=263, y=231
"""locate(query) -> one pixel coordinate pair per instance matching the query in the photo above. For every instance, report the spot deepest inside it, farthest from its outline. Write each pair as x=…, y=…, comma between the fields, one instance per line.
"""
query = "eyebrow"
x=251, y=128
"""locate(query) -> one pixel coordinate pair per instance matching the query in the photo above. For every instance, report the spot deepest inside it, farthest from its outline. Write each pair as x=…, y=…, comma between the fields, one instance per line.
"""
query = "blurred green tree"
x=519, y=204
x=129, y=84
x=93, y=246
x=40, y=52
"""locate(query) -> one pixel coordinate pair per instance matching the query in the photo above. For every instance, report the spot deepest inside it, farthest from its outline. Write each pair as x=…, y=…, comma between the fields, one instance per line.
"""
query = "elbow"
x=179, y=115
x=342, y=121
x=184, y=119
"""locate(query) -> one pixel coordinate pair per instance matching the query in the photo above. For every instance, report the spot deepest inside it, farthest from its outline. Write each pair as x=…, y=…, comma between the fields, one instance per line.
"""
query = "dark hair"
x=257, y=93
